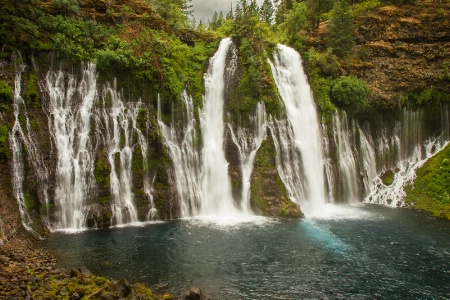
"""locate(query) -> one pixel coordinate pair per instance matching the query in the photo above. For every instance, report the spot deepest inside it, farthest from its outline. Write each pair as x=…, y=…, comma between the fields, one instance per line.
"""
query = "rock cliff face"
x=403, y=49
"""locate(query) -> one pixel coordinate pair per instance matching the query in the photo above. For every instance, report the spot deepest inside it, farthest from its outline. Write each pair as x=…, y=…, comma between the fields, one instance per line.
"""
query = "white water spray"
x=216, y=187
x=70, y=109
x=121, y=131
x=17, y=139
x=347, y=162
x=248, y=143
x=185, y=157
x=301, y=111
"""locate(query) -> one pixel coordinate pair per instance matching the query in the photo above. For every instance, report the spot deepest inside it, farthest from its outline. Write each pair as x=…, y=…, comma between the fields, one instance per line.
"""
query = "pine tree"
x=340, y=33
x=266, y=12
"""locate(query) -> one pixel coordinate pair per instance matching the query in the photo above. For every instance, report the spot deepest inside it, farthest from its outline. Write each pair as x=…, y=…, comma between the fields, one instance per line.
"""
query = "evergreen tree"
x=266, y=12
x=340, y=33
x=230, y=14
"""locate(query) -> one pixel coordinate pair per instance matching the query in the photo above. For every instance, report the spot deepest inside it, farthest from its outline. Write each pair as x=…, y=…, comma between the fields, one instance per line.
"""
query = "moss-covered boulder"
x=268, y=195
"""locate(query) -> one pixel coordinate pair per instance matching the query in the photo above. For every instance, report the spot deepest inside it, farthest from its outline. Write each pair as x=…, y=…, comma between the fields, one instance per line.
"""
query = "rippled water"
x=363, y=252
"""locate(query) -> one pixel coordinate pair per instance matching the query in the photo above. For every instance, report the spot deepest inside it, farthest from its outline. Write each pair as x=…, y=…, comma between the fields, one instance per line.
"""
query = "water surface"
x=364, y=252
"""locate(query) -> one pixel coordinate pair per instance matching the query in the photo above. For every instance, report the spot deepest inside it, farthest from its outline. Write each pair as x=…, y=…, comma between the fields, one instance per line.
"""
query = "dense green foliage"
x=350, y=92
x=431, y=188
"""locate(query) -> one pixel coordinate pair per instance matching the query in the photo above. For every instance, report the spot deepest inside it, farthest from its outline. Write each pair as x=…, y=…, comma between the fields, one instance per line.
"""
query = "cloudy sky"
x=204, y=9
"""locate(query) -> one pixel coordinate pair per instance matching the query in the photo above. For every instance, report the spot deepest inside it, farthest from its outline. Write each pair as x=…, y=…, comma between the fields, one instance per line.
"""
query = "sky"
x=204, y=9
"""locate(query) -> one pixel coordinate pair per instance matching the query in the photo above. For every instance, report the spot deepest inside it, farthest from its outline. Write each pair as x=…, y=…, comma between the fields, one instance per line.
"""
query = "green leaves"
x=350, y=92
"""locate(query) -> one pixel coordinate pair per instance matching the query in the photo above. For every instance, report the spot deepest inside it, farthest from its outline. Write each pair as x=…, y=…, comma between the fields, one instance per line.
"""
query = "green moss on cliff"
x=31, y=95
x=431, y=189
x=5, y=154
x=102, y=170
x=268, y=194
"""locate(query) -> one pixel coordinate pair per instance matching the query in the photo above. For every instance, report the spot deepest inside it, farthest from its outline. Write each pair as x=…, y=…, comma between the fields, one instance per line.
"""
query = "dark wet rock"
x=85, y=272
x=75, y=273
x=195, y=294
x=107, y=297
x=122, y=287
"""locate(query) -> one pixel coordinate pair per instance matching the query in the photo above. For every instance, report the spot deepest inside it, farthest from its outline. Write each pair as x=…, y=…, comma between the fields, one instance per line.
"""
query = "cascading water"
x=248, y=144
x=185, y=157
x=202, y=180
x=18, y=139
x=216, y=187
x=304, y=131
x=347, y=163
x=121, y=129
x=405, y=150
x=368, y=161
x=70, y=109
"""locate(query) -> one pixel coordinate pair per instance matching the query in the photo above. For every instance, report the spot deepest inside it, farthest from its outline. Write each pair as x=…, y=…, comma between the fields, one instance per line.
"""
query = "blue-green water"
x=370, y=252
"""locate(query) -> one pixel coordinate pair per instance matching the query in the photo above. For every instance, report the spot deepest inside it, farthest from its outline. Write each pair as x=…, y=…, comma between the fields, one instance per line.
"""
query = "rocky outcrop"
x=268, y=195
x=403, y=49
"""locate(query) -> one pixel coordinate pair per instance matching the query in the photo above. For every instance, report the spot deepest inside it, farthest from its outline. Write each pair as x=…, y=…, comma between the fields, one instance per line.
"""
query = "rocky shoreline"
x=29, y=272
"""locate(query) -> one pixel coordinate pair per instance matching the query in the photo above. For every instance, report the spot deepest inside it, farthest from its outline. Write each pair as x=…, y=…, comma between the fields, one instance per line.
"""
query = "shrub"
x=350, y=92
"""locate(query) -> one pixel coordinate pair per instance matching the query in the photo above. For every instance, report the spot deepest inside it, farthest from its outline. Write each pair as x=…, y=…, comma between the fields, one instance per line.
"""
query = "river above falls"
x=359, y=252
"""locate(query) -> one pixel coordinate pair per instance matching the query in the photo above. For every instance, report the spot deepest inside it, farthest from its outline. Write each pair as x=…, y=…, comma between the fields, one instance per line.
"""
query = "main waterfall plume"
x=202, y=178
x=302, y=172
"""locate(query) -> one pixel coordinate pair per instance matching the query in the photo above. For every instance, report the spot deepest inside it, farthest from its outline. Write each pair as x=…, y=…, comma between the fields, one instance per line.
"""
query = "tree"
x=230, y=14
x=340, y=33
x=266, y=12
x=295, y=26
x=174, y=11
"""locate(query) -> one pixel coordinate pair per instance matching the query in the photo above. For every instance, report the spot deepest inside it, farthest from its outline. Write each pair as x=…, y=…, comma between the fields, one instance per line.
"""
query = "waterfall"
x=304, y=132
x=328, y=164
x=70, y=109
x=405, y=149
x=216, y=187
x=121, y=132
x=185, y=157
x=368, y=161
x=18, y=140
x=248, y=143
x=347, y=162
x=202, y=180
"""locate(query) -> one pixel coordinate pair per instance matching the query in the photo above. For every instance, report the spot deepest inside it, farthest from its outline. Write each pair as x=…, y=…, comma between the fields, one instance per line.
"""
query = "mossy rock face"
x=5, y=153
x=430, y=191
x=268, y=194
x=6, y=93
x=32, y=96
x=102, y=170
x=388, y=177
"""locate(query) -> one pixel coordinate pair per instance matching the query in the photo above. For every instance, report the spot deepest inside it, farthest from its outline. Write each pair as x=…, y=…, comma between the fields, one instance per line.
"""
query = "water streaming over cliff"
x=248, y=142
x=72, y=120
x=70, y=111
x=302, y=130
x=121, y=137
x=389, y=147
x=202, y=177
x=21, y=139
x=342, y=160
x=216, y=186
